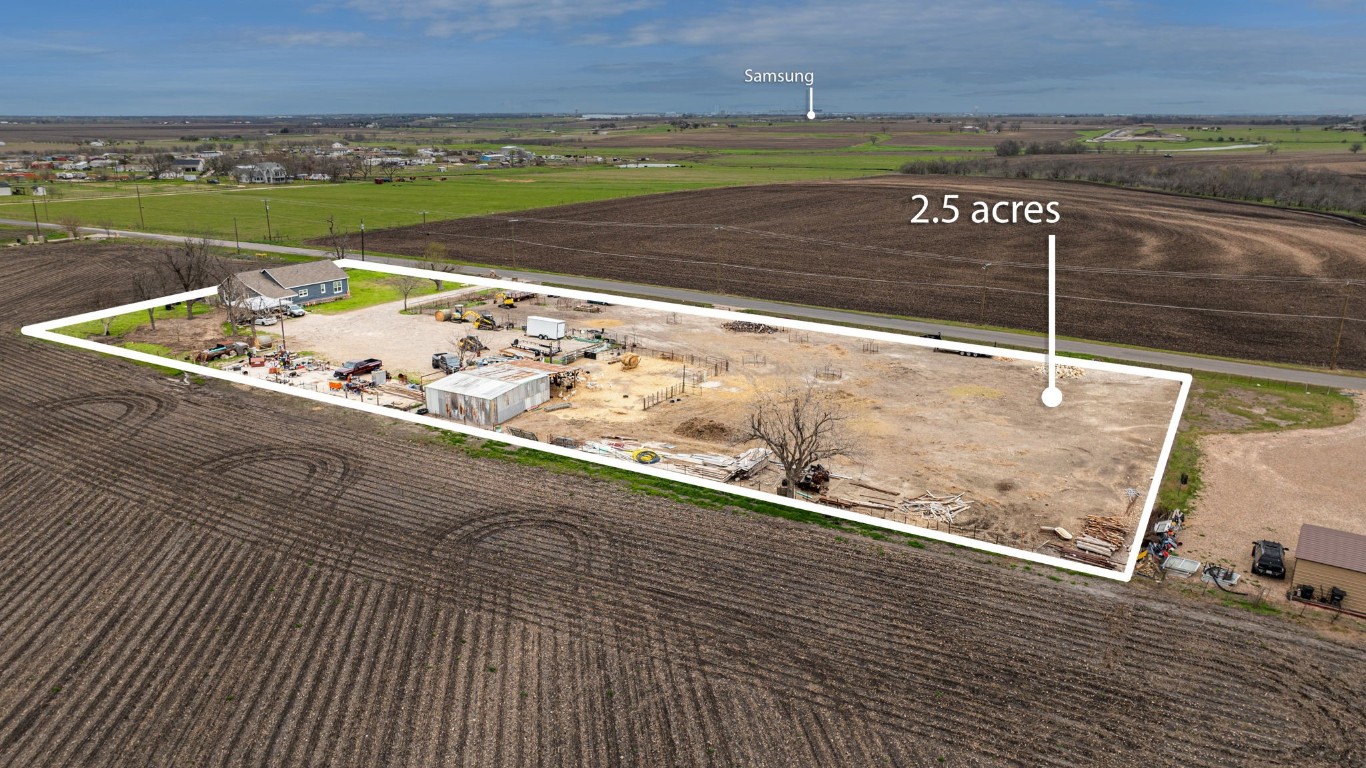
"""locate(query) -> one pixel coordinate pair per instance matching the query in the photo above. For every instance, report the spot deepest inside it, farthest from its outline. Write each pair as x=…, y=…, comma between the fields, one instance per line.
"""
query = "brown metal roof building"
x=1326, y=558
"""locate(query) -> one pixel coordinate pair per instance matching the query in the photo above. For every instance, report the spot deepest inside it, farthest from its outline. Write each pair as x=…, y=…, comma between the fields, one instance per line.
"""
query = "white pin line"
x=1052, y=396
x=811, y=102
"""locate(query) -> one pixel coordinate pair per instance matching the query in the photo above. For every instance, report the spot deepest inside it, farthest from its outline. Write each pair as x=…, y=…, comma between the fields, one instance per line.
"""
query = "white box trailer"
x=544, y=327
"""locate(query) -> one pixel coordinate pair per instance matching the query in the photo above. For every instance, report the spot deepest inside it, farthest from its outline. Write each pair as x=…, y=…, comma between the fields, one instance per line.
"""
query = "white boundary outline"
x=44, y=330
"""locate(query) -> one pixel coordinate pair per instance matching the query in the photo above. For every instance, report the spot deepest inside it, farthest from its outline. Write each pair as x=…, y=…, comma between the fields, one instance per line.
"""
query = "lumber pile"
x=931, y=506
x=1082, y=556
x=716, y=467
x=1064, y=371
x=1109, y=530
x=745, y=326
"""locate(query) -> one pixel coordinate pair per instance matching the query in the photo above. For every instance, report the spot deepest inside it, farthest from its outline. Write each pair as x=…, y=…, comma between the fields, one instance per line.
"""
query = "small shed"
x=1326, y=558
x=489, y=395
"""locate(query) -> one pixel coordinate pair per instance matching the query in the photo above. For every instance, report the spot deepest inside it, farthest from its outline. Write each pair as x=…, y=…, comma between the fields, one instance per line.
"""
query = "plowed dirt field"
x=202, y=575
x=1134, y=268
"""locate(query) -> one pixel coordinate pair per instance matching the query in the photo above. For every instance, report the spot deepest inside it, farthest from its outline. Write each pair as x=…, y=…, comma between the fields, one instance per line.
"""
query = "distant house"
x=189, y=164
x=261, y=173
x=5, y=189
x=1326, y=560
x=312, y=282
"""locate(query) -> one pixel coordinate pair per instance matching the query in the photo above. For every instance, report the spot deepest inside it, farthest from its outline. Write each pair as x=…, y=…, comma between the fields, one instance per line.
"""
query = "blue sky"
x=439, y=56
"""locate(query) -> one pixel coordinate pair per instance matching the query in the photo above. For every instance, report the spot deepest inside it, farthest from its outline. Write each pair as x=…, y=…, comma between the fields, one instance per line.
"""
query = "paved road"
x=976, y=335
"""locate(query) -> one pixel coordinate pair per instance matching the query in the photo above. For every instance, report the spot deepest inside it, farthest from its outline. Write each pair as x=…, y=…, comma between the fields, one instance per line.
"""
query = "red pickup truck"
x=357, y=367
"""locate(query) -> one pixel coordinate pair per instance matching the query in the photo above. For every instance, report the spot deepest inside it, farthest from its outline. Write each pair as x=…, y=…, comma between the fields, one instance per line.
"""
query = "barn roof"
x=486, y=383
x=1329, y=546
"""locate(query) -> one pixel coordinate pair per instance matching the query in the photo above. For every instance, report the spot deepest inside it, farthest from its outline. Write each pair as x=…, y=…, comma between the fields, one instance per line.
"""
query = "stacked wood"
x=1082, y=556
x=1110, y=530
x=746, y=326
x=931, y=506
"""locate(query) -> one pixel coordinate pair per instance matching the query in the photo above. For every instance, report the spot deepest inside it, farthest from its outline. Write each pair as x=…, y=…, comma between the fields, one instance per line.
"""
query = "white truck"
x=544, y=327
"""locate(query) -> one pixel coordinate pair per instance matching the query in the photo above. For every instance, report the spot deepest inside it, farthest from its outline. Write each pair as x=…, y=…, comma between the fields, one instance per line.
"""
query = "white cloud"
x=317, y=38
x=444, y=18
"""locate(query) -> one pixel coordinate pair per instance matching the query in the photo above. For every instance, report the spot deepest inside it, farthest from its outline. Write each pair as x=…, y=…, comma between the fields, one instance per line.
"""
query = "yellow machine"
x=504, y=300
x=629, y=361
x=482, y=322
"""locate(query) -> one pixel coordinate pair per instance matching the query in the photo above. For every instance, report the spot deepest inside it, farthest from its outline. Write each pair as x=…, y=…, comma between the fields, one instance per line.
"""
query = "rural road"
x=962, y=333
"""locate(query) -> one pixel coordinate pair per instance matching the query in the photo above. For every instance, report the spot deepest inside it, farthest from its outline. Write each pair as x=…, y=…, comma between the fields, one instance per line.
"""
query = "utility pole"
x=982, y=310
x=269, y=238
x=1342, y=321
x=142, y=221
x=362, y=239
x=37, y=230
x=236, y=237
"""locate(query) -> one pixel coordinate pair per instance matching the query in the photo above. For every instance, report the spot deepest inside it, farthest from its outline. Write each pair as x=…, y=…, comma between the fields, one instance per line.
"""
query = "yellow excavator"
x=481, y=321
x=503, y=300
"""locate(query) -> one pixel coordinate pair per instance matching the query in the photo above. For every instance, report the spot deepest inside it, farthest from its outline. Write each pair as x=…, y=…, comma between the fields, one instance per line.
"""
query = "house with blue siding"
x=312, y=282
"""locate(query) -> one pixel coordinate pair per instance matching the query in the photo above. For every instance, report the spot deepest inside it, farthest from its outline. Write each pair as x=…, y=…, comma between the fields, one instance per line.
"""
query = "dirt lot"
x=1265, y=485
x=921, y=421
x=208, y=576
x=1128, y=260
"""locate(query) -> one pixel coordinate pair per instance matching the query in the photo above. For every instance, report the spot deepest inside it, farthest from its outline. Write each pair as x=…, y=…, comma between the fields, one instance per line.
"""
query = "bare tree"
x=336, y=241
x=191, y=265
x=71, y=224
x=1355, y=148
x=149, y=285
x=233, y=295
x=801, y=425
x=160, y=162
x=107, y=225
x=406, y=285
x=435, y=256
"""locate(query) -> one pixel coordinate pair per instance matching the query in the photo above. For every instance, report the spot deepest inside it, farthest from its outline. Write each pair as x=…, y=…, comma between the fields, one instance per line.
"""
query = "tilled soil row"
x=1135, y=268
x=238, y=578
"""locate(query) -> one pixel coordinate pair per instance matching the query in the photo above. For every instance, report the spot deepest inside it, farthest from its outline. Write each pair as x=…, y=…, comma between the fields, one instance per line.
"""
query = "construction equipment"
x=471, y=345
x=482, y=321
x=630, y=361
x=503, y=300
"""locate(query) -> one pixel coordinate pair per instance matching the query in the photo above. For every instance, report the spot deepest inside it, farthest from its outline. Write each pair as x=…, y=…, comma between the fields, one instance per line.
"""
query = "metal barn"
x=489, y=395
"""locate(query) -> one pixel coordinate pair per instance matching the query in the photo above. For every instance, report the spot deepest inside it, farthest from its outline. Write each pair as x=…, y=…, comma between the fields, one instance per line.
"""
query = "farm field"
x=294, y=605
x=301, y=211
x=1135, y=268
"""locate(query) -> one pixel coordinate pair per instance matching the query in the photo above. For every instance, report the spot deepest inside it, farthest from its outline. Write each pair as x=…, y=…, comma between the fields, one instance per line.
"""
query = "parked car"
x=1268, y=559
x=294, y=310
x=358, y=367
x=446, y=362
x=266, y=320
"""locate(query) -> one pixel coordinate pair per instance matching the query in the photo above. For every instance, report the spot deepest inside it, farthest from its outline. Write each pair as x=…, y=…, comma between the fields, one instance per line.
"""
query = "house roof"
x=280, y=282
x=306, y=273
x=1329, y=546
x=261, y=285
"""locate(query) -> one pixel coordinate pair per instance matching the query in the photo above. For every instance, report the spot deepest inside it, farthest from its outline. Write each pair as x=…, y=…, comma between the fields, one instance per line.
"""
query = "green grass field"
x=300, y=211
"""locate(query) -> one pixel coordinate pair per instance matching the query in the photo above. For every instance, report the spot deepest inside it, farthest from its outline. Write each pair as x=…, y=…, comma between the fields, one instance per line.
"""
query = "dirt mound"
x=698, y=428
